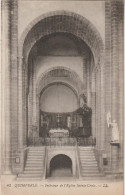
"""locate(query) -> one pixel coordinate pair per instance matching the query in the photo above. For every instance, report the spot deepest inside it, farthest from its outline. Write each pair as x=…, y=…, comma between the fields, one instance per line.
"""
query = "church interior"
x=63, y=91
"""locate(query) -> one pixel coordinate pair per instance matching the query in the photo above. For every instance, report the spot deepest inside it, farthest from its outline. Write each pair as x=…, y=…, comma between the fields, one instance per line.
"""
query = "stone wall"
x=104, y=80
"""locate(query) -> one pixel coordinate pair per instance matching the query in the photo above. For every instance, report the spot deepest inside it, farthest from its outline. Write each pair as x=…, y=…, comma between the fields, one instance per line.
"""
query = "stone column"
x=108, y=76
x=102, y=112
x=93, y=101
x=96, y=88
x=20, y=113
x=5, y=97
x=114, y=59
x=121, y=83
x=25, y=103
x=14, y=81
x=38, y=112
x=115, y=75
x=88, y=82
x=30, y=102
x=34, y=111
x=98, y=107
x=114, y=157
x=84, y=74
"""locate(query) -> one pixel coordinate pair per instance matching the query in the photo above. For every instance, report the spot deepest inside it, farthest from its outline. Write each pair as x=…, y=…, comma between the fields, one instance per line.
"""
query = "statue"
x=85, y=114
x=115, y=132
x=83, y=100
x=108, y=119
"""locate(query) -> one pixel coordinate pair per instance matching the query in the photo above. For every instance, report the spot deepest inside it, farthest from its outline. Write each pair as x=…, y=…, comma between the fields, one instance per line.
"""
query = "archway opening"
x=58, y=98
x=61, y=166
x=40, y=53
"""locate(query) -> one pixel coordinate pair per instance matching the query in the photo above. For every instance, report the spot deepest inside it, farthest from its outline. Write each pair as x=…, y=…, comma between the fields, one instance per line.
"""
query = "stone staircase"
x=89, y=166
x=34, y=167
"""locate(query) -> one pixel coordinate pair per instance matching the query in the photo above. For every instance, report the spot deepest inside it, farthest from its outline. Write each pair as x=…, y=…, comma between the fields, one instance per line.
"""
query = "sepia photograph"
x=62, y=97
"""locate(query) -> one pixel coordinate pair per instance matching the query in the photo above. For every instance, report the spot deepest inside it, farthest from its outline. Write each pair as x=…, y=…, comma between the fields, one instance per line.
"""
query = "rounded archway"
x=58, y=98
x=62, y=21
x=61, y=166
x=46, y=25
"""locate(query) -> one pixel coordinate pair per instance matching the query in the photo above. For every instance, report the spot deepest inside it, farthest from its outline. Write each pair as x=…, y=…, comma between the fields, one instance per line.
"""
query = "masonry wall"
x=58, y=98
x=84, y=8
x=114, y=78
x=110, y=77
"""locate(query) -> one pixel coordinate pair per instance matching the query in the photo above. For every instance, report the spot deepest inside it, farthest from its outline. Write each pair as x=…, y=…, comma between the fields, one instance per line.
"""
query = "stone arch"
x=66, y=22
x=60, y=161
x=63, y=83
x=70, y=153
x=72, y=74
x=62, y=21
x=38, y=99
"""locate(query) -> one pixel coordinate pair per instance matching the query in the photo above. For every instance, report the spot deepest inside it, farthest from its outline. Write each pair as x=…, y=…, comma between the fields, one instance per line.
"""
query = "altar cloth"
x=58, y=133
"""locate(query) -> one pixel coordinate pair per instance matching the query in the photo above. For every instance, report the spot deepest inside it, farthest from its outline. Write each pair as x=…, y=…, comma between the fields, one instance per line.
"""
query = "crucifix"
x=58, y=119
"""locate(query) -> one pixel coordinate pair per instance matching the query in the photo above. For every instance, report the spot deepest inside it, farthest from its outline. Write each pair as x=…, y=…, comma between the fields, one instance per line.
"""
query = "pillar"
x=121, y=83
x=115, y=76
x=108, y=77
x=93, y=102
x=15, y=88
x=5, y=95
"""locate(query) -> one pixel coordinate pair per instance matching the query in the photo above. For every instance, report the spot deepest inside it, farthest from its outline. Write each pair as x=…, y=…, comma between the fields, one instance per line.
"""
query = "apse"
x=58, y=98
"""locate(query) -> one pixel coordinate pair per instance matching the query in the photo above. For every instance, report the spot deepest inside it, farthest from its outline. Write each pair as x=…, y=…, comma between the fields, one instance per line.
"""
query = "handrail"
x=45, y=163
x=60, y=142
x=78, y=161
x=86, y=141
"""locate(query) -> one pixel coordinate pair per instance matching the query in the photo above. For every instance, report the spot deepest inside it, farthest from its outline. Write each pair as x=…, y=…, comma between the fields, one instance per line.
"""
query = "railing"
x=78, y=162
x=86, y=141
x=45, y=164
x=39, y=141
x=62, y=141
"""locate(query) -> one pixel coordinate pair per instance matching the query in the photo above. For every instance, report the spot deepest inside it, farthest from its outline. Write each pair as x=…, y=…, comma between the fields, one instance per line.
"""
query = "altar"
x=58, y=132
x=70, y=124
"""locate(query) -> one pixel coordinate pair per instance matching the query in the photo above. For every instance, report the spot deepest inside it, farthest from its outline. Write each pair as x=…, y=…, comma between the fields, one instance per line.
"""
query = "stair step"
x=86, y=148
x=86, y=164
x=33, y=166
x=90, y=168
x=86, y=151
x=36, y=167
x=29, y=179
x=90, y=171
x=88, y=161
x=93, y=178
x=37, y=151
x=33, y=171
x=91, y=174
x=87, y=155
x=36, y=147
x=30, y=175
x=87, y=158
x=36, y=154
x=34, y=157
x=34, y=163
